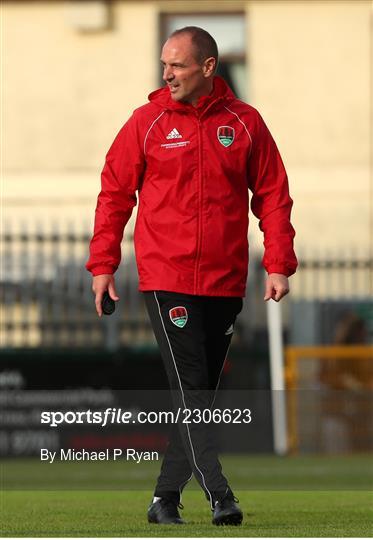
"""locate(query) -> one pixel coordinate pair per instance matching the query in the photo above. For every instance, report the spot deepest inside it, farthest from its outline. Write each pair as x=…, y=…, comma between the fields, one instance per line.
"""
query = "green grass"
x=123, y=514
x=264, y=472
x=295, y=497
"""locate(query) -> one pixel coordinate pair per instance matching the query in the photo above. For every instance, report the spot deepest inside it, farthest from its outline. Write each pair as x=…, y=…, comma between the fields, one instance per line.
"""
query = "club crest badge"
x=225, y=135
x=179, y=316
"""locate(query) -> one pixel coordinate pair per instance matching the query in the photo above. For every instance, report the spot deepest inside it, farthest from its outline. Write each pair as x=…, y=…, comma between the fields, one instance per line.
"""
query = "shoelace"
x=234, y=498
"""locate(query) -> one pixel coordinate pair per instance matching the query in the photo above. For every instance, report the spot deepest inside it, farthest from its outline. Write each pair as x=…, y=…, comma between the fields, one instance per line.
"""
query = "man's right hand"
x=100, y=284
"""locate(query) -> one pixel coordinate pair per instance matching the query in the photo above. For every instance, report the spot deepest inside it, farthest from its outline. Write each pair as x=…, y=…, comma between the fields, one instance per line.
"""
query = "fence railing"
x=46, y=298
x=347, y=275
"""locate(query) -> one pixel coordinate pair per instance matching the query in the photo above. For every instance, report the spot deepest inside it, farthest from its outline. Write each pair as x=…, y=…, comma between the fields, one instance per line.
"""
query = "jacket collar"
x=220, y=93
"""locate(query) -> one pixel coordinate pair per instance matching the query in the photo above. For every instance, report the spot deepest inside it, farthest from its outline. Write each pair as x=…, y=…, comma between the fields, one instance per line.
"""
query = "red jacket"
x=192, y=168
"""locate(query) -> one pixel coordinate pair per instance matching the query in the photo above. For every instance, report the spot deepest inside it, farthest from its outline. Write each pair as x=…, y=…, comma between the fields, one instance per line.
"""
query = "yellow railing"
x=292, y=356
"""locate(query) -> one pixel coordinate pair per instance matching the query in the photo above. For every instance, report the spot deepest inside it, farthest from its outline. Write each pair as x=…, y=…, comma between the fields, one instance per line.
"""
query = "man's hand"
x=277, y=285
x=100, y=284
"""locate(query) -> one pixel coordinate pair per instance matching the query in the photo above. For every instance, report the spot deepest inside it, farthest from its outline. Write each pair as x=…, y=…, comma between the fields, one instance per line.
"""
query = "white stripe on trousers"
x=185, y=407
x=183, y=484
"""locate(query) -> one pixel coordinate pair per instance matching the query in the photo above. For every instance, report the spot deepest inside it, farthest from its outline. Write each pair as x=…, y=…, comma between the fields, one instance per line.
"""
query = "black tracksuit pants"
x=194, y=334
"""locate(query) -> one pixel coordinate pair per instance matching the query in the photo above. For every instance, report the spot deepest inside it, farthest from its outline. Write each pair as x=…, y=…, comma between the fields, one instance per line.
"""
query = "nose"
x=167, y=73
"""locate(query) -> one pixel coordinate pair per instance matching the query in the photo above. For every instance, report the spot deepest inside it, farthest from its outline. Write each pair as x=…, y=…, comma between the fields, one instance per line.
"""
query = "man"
x=192, y=153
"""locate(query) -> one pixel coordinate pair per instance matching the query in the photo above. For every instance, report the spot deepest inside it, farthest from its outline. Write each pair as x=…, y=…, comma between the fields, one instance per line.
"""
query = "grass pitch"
x=298, y=508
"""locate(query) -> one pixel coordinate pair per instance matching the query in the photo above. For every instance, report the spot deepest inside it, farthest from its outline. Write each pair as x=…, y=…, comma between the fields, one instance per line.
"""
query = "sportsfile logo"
x=112, y=416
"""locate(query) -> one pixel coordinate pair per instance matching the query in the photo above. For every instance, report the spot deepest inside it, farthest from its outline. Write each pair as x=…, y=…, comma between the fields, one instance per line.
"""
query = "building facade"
x=74, y=71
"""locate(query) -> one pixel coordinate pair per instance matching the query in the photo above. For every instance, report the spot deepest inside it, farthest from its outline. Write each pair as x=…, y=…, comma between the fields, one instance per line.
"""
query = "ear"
x=209, y=66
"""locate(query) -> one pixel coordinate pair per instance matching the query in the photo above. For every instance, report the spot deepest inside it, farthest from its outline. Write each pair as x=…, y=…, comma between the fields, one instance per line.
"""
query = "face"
x=186, y=78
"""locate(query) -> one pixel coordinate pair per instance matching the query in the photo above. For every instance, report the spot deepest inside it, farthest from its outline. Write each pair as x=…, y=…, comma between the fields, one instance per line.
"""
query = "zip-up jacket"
x=192, y=168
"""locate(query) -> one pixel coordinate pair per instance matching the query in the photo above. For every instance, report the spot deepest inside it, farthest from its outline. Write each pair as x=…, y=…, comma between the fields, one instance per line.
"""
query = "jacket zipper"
x=200, y=198
x=200, y=201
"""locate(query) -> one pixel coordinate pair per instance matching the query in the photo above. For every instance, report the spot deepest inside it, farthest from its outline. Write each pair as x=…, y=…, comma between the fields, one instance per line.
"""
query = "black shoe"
x=226, y=511
x=165, y=511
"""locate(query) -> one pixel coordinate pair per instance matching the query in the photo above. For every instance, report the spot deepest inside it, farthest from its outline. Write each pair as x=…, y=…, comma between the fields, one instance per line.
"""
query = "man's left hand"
x=277, y=286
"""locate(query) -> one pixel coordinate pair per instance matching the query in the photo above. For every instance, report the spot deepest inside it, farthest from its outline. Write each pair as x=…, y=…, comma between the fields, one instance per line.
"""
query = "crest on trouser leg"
x=179, y=316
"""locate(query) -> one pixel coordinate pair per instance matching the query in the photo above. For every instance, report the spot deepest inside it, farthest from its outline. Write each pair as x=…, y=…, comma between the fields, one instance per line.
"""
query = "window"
x=228, y=29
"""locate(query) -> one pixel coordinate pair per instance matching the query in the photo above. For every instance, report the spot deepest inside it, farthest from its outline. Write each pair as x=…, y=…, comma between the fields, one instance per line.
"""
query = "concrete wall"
x=310, y=73
x=66, y=95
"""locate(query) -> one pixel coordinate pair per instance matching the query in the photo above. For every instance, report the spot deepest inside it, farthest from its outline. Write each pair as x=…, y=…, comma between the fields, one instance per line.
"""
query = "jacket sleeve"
x=271, y=202
x=120, y=178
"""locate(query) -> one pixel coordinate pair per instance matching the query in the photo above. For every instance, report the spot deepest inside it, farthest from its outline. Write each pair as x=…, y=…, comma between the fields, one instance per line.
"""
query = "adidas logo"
x=174, y=134
x=229, y=331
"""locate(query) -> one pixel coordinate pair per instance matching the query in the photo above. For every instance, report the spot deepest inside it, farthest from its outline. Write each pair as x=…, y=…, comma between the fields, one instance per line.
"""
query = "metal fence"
x=342, y=275
x=324, y=291
x=46, y=298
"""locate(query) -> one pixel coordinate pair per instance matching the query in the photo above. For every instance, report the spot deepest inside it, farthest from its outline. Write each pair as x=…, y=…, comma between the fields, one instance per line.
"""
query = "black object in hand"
x=107, y=304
